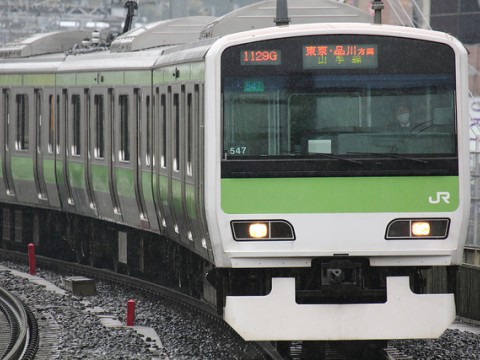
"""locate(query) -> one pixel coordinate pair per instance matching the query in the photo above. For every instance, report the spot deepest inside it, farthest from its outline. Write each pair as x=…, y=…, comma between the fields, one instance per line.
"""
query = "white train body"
x=271, y=157
x=332, y=216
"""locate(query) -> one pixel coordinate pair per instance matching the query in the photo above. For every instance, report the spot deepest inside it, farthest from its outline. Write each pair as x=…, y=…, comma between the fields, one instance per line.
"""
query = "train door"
x=194, y=203
x=7, y=183
x=38, y=151
x=74, y=170
x=45, y=162
x=126, y=165
x=100, y=153
x=86, y=155
x=140, y=112
x=111, y=154
x=77, y=171
x=3, y=116
x=178, y=177
x=204, y=241
x=61, y=150
x=162, y=167
x=146, y=158
x=21, y=146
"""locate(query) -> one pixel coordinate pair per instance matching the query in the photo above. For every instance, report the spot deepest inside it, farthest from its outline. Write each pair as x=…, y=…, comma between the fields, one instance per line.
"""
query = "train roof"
x=162, y=33
x=107, y=60
x=43, y=44
x=261, y=15
x=335, y=28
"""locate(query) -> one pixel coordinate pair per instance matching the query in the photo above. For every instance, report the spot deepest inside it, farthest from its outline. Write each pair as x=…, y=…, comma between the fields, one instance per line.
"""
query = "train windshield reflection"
x=303, y=115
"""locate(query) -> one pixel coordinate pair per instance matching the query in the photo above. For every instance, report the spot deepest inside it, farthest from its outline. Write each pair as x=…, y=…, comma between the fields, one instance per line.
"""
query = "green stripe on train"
x=100, y=178
x=339, y=195
x=39, y=80
x=124, y=182
x=105, y=78
x=27, y=80
x=147, y=186
x=22, y=168
x=190, y=200
x=49, y=171
x=177, y=196
x=163, y=186
x=186, y=72
x=76, y=174
x=11, y=80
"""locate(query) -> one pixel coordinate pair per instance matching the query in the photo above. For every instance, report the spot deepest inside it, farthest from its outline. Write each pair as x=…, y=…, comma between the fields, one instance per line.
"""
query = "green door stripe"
x=22, y=168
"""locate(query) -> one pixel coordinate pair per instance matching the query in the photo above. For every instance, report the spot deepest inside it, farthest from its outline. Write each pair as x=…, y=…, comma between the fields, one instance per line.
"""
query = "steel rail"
x=265, y=349
x=16, y=316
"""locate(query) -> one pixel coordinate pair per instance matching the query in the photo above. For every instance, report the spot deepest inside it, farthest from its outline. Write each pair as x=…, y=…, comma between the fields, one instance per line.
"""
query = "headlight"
x=258, y=230
x=244, y=230
x=418, y=229
x=421, y=228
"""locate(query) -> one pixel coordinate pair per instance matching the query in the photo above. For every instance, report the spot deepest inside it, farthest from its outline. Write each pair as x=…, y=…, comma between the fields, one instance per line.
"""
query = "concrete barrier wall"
x=467, y=291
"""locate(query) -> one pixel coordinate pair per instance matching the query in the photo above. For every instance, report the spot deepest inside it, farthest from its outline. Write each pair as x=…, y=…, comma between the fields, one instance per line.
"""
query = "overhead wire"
x=419, y=10
x=396, y=12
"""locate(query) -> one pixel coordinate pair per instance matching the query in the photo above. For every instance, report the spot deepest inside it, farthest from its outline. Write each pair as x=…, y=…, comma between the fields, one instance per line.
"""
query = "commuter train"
x=260, y=166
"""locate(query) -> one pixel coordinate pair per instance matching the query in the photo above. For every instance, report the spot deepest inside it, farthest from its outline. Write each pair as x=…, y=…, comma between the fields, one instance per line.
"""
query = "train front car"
x=337, y=168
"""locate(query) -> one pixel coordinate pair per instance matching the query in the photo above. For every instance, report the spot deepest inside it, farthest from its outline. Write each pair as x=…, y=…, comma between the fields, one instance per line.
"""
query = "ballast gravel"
x=77, y=332
x=452, y=345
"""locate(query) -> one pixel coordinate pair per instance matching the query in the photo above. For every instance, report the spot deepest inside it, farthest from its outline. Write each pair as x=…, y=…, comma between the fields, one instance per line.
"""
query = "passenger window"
x=22, y=140
x=51, y=123
x=148, y=156
x=124, y=129
x=6, y=116
x=189, y=137
x=137, y=95
x=176, y=137
x=76, y=127
x=193, y=108
x=58, y=112
x=163, y=127
x=99, y=148
x=38, y=116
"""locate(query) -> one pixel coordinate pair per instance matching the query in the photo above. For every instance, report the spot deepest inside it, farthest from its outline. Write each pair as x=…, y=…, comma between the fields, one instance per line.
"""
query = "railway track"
x=19, y=336
x=341, y=351
x=266, y=350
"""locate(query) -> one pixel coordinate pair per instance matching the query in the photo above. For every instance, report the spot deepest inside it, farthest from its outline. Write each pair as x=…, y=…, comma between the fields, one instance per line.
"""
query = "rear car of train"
x=325, y=199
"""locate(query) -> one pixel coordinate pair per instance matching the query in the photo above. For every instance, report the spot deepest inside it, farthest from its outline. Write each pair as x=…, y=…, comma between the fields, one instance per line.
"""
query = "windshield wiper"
x=291, y=157
x=395, y=156
x=330, y=156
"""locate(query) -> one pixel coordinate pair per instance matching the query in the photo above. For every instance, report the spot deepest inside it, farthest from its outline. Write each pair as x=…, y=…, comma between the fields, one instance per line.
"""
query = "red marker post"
x=131, y=312
x=31, y=259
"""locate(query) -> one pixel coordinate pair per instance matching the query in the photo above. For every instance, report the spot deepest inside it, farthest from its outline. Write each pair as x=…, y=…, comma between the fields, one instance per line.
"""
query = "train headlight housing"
x=399, y=229
x=260, y=230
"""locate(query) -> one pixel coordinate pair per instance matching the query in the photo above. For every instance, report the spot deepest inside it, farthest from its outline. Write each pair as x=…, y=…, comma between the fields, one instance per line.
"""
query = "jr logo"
x=441, y=196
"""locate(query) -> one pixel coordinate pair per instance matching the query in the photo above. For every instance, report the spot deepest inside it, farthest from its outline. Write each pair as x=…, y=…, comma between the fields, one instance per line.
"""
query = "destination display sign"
x=336, y=56
x=260, y=57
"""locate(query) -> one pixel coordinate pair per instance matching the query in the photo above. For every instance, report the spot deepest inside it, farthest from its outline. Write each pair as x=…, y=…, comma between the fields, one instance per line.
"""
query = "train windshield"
x=339, y=106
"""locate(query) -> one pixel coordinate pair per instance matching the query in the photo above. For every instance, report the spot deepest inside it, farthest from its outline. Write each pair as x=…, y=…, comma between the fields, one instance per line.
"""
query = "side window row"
x=181, y=108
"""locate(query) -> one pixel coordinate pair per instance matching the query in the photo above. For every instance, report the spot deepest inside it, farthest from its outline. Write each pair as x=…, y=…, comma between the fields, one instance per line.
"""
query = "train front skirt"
x=278, y=317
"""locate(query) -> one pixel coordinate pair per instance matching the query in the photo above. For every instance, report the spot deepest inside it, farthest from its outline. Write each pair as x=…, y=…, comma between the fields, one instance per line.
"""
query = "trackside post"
x=31, y=259
x=130, y=312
